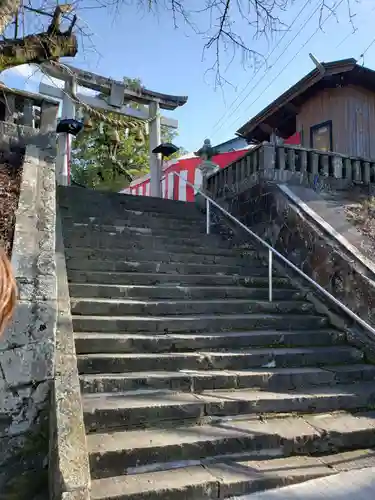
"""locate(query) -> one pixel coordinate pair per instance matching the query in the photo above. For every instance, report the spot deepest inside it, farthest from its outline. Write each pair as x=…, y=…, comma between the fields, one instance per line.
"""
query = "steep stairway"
x=194, y=385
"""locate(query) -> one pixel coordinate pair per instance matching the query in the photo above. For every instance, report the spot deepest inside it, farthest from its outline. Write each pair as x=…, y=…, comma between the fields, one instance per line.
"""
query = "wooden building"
x=330, y=109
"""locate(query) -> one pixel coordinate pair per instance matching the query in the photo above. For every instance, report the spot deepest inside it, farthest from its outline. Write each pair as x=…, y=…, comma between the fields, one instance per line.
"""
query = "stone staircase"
x=194, y=386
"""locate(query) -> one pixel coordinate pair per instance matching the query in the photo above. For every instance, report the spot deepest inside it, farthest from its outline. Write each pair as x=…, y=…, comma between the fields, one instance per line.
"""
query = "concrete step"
x=201, y=323
x=113, y=240
x=272, y=379
x=153, y=279
x=87, y=343
x=162, y=408
x=180, y=292
x=127, y=452
x=245, y=268
x=235, y=258
x=280, y=357
x=227, y=479
x=168, y=307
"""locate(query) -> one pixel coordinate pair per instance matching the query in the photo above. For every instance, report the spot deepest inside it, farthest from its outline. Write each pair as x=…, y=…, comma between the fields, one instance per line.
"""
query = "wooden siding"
x=352, y=111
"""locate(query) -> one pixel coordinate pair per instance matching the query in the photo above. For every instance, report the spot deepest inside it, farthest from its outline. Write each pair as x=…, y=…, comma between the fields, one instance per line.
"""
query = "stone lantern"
x=207, y=166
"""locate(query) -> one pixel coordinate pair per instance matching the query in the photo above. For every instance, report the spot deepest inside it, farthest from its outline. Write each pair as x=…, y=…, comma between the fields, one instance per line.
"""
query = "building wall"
x=231, y=145
x=352, y=111
x=177, y=188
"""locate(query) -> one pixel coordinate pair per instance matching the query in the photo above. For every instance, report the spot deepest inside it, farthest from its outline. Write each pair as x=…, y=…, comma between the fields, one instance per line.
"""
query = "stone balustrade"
x=292, y=164
x=20, y=136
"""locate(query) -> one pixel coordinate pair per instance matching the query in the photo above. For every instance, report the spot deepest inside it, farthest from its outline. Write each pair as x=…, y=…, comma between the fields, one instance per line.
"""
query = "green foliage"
x=90, y=162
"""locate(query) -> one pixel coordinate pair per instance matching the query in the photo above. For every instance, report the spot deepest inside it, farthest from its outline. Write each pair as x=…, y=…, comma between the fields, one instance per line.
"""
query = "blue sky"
x=132, y=43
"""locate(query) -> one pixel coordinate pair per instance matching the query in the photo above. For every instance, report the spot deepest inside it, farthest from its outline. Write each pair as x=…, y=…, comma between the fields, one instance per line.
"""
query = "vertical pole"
x=208, y=207
x=48, y=117
x=28, y=115
x=155, y=138
x=270, y=275
x=64, y=140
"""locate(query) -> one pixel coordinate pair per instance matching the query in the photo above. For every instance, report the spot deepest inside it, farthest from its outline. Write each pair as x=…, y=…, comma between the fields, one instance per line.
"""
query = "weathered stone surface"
x=69, y=474
x=81, y=494
x=189, y=397
x=28, y=364
x=266, y=210
x=27, y=347
x=240, y=360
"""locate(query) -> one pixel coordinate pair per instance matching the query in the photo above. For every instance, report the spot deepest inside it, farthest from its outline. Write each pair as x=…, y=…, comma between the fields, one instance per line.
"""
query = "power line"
x=257, y=71
x=366, y=50
x=291, y=60
x=267, y=71
x=354, y=30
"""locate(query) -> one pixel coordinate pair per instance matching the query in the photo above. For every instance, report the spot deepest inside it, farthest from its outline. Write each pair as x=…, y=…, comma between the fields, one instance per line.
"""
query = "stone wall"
x=27, y=347
x=20, y=136
x=266, y=210
x=69, y=471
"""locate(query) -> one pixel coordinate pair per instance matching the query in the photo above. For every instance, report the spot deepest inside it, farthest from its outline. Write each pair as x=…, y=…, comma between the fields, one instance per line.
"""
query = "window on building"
x=321, y=136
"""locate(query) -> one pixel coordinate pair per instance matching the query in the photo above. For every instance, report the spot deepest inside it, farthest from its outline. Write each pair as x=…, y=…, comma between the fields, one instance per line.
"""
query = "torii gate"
x=117, y=94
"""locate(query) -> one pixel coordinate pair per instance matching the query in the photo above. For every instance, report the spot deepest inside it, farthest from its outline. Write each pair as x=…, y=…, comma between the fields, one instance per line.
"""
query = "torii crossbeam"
x=118, y=97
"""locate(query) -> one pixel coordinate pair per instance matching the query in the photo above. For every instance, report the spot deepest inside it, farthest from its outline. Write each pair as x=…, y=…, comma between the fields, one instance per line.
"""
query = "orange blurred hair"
x=8, y=291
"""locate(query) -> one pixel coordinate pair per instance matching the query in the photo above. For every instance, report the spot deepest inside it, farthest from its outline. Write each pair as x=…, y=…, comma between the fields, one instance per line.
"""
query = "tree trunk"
x=8, y=9
x=37, y=49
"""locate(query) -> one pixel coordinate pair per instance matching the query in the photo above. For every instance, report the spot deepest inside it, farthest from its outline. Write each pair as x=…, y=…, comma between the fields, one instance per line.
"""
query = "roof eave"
x=301, y=86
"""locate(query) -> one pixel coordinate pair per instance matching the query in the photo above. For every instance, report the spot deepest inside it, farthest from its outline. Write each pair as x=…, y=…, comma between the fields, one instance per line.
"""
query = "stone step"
x=201, y=323
x=74, y=212
x=244, y=268
x=273, y=379
x=101, y=240
x=180, y=292
x=280, y=357
x=77, y=194
x=126, y=452
x=226, y=479
x=85, y=198
x=162, y=408
x=193, y=231
x=152, y=279
x=117, y=222
x=235, y=258
x=212, y=246
x=89, y=343
x=165, y=307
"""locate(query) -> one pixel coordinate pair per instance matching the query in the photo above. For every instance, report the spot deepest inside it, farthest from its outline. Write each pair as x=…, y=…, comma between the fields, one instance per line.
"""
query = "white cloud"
x=32, y=77
x=29, y=71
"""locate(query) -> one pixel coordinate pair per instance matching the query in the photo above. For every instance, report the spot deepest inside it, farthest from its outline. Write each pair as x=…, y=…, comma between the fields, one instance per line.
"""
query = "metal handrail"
x=271, y=252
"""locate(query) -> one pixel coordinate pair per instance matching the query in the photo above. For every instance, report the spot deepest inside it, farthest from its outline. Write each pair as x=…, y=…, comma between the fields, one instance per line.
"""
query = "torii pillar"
x=155, y=159
x=64, y=141
x=118, y=93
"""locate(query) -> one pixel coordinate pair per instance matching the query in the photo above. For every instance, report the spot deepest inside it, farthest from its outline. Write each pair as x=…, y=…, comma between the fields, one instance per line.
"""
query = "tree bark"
x=8, y=9
x=37, y=49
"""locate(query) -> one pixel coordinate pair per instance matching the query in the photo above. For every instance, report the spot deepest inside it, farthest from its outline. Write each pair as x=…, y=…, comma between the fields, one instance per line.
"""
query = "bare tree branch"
x=217, y=23
x=46, y=46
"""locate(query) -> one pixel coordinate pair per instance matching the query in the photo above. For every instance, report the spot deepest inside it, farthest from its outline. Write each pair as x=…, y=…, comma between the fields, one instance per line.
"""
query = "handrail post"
x=208, y=216
x=270, y=256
